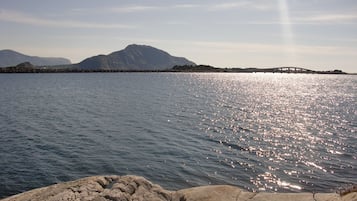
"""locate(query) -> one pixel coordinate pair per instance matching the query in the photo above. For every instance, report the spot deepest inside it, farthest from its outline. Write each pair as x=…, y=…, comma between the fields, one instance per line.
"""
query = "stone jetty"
x=135, y=188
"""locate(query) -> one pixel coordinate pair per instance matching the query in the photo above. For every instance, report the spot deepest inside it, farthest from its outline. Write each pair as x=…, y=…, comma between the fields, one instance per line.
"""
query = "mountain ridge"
x=10, y=57
x=134, y=57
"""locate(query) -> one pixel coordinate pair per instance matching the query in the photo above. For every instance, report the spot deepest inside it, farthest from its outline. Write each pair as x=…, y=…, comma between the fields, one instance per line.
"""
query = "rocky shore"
x=134, y=188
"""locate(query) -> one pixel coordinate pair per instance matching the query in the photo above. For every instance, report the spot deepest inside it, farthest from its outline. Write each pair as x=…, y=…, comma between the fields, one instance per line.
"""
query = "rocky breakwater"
x=134, y=188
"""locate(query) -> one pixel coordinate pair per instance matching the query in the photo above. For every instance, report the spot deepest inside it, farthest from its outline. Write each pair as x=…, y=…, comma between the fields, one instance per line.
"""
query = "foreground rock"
x=134, y=188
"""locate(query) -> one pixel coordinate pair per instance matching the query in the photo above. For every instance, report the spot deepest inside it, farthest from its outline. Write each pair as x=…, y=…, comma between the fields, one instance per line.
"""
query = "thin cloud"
x=186, y=6
x=207, y=7
x=258, y=47
x=224, y=6
x=145, y=8
x=329, y=18
x=134, y=8
x=13, y=16
x=323, y=19
x=254, y=5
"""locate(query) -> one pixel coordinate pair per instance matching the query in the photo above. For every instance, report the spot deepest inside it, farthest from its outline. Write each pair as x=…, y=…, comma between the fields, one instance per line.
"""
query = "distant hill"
x=134, y=57
x=197, y=68
x=12, y=58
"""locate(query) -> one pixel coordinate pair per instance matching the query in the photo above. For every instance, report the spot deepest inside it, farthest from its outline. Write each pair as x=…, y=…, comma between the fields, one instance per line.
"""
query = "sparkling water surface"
x=261, y=132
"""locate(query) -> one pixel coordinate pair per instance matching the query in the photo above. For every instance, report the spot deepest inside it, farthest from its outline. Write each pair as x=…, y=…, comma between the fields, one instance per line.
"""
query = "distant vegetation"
x=197, y=68
x=207, y=68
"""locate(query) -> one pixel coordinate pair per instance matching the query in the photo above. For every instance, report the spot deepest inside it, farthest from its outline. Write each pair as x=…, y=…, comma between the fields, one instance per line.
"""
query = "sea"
x=262, y=132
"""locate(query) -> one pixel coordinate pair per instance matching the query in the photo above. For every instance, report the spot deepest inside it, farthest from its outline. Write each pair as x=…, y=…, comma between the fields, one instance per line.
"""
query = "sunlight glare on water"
x=285, y=121
x=261, y=132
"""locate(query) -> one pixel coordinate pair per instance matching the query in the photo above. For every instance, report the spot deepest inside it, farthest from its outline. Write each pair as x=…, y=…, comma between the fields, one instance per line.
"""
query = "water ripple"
x=262, y=132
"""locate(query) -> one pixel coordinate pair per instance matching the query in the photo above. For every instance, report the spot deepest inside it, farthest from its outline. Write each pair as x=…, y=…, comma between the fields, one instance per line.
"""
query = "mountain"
x=134, y=57
x=12, y=58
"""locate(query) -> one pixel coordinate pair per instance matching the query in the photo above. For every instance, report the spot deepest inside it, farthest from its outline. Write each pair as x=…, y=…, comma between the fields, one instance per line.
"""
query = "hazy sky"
x=316, y=34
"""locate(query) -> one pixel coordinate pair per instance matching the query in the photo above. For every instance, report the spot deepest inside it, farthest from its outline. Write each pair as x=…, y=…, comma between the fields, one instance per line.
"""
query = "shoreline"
x=73, y=68
x=130, y=187
x=154, y=71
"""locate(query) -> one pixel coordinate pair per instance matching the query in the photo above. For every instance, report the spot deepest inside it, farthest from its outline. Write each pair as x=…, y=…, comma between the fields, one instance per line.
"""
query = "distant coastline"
x=134, y=58
x=29, y=68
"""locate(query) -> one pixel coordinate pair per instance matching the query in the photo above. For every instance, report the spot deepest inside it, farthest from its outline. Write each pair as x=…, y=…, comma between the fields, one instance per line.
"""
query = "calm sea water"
x=261, y=132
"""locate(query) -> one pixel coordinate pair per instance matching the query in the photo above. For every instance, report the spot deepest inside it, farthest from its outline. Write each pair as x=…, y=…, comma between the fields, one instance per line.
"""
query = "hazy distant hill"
x=12, y=58
x=134, y=57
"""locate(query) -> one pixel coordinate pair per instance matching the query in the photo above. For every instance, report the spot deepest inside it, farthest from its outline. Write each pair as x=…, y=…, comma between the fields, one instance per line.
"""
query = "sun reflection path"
x=276, y=132
x=287, y=32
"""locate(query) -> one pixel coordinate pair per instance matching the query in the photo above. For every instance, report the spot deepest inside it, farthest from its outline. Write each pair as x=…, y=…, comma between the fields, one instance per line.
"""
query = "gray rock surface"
x=134, y=188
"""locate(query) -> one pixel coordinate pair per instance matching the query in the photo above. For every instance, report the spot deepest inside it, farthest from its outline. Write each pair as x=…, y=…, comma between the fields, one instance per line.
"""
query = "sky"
x=314, y=34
